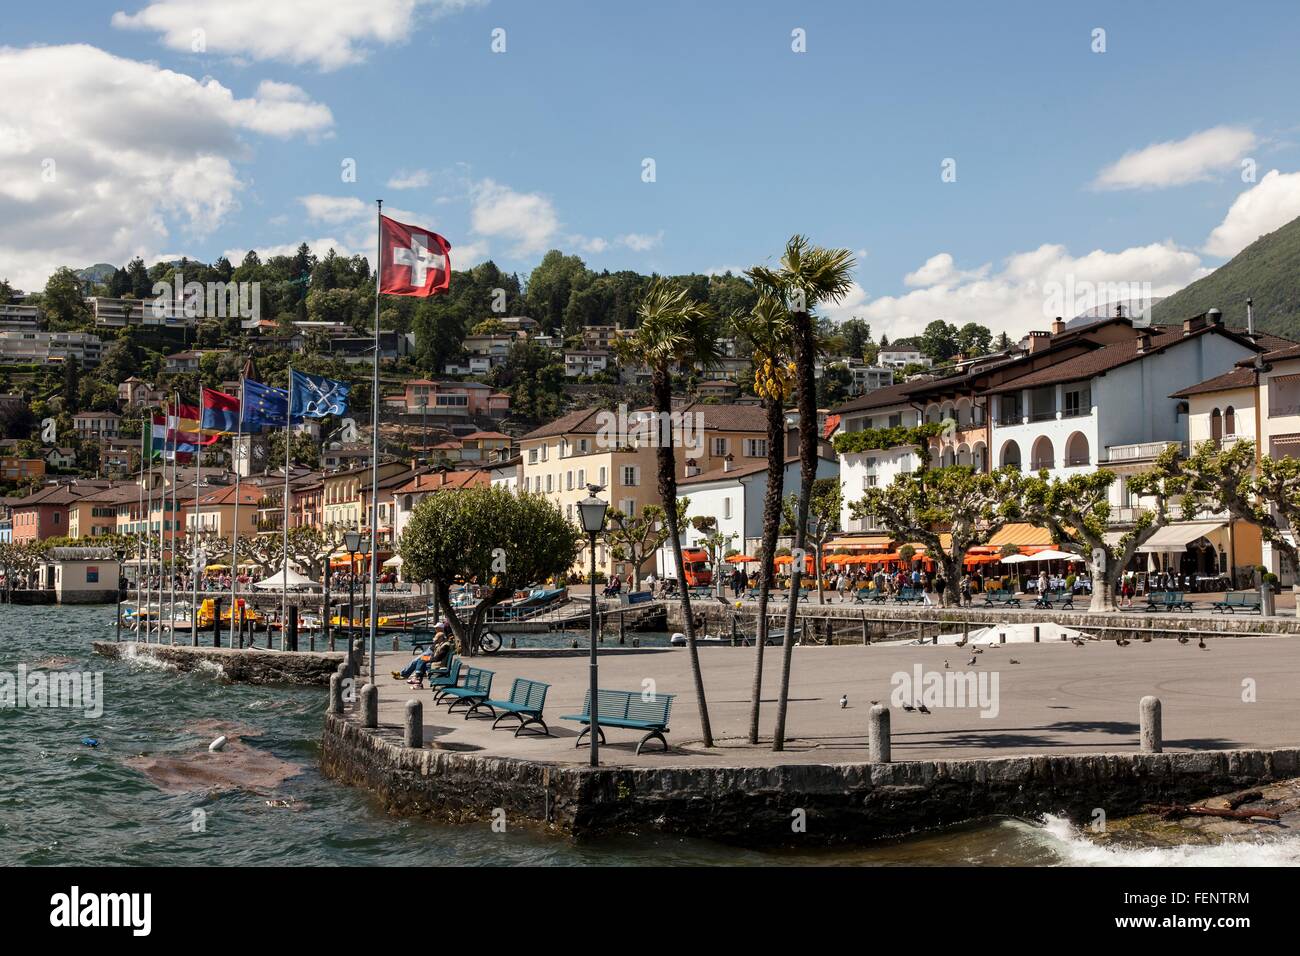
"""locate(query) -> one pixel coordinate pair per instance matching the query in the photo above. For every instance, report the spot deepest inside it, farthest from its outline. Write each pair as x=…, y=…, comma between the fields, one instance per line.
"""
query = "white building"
x=901, y=357
x=734, y=493
x=25, y=348
x=581, y=362
x=505, y=474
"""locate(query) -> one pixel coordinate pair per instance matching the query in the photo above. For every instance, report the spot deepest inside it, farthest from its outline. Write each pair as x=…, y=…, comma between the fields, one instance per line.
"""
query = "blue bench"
x=1168, y=601
x=1234, y=601
x=1064, y=598
x=449, y=678
x=477, y=686
x=629, y=709
x=1003, y=597
x=527, y=698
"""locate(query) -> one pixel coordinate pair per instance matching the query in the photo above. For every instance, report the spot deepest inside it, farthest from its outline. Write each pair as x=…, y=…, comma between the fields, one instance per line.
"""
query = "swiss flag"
x=413, y=261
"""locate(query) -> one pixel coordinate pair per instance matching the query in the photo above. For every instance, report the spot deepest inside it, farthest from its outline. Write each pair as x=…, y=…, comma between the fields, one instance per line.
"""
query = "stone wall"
x=844, y=804
x=239, y=666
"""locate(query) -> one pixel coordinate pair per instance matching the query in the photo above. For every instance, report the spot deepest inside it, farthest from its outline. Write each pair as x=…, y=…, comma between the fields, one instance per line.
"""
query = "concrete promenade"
x=1059, y=699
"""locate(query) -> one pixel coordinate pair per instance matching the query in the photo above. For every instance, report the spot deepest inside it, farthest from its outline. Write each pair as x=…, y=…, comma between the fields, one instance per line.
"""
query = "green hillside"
x=1267, y=271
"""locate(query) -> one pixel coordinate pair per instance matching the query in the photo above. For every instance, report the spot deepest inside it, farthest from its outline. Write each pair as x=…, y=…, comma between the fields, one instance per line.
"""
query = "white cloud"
x=1026, y=293
x=1272, y=202
x=318, y=246
x=410, y=179
x=333, y=209
x=101, y=156
x=328, y=34
x=641, y=242
x=589, y=244
x=527, y=219
x=1178, y=162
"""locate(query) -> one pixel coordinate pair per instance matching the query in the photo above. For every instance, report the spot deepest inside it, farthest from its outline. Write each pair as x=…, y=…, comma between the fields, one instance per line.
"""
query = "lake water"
x=139, y=798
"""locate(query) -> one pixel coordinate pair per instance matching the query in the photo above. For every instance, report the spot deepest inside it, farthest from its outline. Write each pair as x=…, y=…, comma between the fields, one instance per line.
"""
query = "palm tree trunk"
x=771, y=528
x=804, y=349
x=666, y=459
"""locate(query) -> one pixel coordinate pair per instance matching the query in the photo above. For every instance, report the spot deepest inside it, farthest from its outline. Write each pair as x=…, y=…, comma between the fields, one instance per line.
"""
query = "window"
x=631, y=476
x=568, y=512
x=1229, y=422
x=869, y=482
x=628, y=507
x=532, y=456
x=756, y=447
x=602, y=476
x=582, y=446
x=896, y=420
x=548, y=483
x=582, y=477
x=719, y=446
x=1078, y=400
x=568, y=481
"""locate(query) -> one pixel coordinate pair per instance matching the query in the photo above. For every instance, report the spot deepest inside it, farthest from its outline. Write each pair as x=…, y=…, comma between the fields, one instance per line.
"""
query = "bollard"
x=1035, y=633
x=965, y=633
x=336, y=694
x=1151, y=734
x=1002, y=637
x=622, y=630
x=216, y=622
x=414, y=736
x=1267, y=600
x=369, y=706
x=733, y=633
x=866, y=635
x=878, y=730
x=290, y=642
x=396, y=646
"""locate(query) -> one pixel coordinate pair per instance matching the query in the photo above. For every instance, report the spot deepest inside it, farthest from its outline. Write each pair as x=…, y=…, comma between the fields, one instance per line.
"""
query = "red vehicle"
x=698, y=572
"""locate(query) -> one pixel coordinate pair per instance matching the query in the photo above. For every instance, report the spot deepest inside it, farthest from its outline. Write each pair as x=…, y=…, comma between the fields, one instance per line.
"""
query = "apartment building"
x=13, y=468
x=408, y=494
x=579, y=363
x=96, y=425
x=452, y=399
x=26, y=348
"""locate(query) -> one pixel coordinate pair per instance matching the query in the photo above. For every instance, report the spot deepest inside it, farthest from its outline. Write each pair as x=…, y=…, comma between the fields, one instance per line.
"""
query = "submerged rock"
x=1155, y=828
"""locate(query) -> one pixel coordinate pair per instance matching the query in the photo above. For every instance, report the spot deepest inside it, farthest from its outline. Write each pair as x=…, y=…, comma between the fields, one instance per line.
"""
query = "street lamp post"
x=351, y=544
x=814, y=530
x=592, y=512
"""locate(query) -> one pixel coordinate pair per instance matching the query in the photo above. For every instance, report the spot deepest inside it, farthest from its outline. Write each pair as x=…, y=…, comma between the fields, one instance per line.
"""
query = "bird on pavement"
x=1121, y=642
x=1202, y=645
x=962, y=642
x=972, y=661
x=1184, y=639
x=844, y=701
x=909, y=708
x=922, y=708
x=1014, y=661
x=1077, y=642
x=945, y=664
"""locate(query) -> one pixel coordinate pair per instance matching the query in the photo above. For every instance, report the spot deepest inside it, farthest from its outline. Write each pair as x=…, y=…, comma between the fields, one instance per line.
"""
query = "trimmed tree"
x=924, y=505
x=636, y=539
x=1076, y=510
x=502, y=540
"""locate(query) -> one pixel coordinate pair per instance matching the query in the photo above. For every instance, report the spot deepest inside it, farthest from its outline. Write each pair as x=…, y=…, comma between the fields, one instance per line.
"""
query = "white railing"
x=1139, y=450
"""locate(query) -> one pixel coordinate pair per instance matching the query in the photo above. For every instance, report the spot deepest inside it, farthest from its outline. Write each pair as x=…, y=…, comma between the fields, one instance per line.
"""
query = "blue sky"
x=542, y=146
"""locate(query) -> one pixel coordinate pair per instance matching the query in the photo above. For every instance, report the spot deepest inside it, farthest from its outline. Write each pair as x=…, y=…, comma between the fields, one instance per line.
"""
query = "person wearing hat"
x=432, y=658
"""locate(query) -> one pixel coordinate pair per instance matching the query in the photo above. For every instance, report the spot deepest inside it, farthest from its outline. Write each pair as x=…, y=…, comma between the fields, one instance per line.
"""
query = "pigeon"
x=1077, y=642
x=1121, y=642
x=962, y=642
x=844, y=701
x=976, y=650
x=874, y=703
x=945, y=664
x=973, y=660
x=1184, y=639
x=1014, y=661
x=1202, y=645
x=1146, y=638
x=922, y=708
x=909, y=708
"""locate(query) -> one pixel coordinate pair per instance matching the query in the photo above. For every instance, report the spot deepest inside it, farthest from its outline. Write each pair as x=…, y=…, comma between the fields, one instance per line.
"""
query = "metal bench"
x=449, y=678
x=527, y=698
x=1003, y=597
x=1234, y=601
x=1168, y=601
x=630, y=709
x=477, y=686
x=906, y=595
x=1064, y=598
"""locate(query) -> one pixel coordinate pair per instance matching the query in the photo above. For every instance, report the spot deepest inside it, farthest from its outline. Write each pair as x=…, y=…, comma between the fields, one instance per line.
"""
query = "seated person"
x=432, y=658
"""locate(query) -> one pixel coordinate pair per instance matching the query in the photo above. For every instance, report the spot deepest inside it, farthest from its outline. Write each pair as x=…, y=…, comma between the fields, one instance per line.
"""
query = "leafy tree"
x=939, y=341
x=835, y=386
x=674, y=331
x=974, y=339
x=1077, y=512
x=857, y=336
x=807, y=276
x=63, y=301
x=487, y=535
x=534, y=379
x=715, y=545
x=551, y=284
x=827, y=499
x=141, y=284
x=636, y=539
x=924, y=505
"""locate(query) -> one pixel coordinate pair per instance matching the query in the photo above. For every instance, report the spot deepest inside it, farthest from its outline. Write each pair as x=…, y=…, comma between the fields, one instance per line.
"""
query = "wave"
x=1074, y=848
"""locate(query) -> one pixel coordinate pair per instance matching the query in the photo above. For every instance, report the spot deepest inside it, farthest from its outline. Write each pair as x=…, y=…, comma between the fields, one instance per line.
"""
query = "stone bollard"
x=878, y=730
x=336, y=694
x=414, y=736
x=216, y=622
x=358, y=655
x=1267, y=601
x=1149, y=717
x=1035, y=636
x=1002, y=639
x=398, y=647
x=369, y=706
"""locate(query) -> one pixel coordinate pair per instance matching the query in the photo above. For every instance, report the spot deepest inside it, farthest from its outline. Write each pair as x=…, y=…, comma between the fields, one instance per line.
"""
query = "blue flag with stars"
x=314, y=396
x=265, y=405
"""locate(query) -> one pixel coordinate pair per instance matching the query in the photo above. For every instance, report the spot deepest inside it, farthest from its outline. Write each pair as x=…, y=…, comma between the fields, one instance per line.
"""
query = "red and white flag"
x=413, y=261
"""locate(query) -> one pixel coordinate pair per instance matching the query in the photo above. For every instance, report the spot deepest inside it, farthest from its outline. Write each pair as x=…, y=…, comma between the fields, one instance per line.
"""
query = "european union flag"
x=314, y=396
x=265, y=405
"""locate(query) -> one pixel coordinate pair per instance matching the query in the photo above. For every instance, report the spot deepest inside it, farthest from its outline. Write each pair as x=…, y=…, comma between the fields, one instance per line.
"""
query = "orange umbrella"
x=740, y=559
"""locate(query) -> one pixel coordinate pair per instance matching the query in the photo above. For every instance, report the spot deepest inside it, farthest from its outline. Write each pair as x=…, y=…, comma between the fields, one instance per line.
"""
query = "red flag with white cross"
x=413, y=261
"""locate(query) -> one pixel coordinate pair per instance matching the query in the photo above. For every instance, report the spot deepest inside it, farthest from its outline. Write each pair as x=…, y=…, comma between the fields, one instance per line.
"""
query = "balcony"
x=1010, y=420
x=1126, y=514
x=1141, y=451
x=1042, y=464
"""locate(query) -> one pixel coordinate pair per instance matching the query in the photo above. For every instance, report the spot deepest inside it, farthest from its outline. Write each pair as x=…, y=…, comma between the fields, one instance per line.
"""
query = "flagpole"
x=234, y=550
x=284, y=567
x=194, y=558
x=171, y=575
x=374, y=442
x=154, y=620
x=146, y=429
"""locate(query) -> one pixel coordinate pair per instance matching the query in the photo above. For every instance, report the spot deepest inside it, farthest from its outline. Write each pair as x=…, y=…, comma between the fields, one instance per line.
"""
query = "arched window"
x=1043, y=455
x=949, y=457
x=1229, y=422
x=1010, y=456
x=1216, y=425
x=977, y=456
x=1076, y=450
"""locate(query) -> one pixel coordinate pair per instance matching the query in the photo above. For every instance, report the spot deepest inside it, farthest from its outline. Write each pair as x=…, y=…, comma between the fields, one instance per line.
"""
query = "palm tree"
x=807, y=275
x=673, y=330
x=770, y=334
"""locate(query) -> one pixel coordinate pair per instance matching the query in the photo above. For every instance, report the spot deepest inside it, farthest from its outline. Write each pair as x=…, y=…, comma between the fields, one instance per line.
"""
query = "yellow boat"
x=227, y=615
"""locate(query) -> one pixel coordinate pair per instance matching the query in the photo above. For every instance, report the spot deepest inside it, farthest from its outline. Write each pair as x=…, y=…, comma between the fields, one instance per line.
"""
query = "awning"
x=1176, y=537
x=1023, y=535
x=740, y=559
x=869, y=542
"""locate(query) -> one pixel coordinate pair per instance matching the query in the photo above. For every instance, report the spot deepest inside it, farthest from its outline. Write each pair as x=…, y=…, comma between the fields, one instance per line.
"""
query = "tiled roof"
x=737, y=471
x=1239, y=377
x=895, y=394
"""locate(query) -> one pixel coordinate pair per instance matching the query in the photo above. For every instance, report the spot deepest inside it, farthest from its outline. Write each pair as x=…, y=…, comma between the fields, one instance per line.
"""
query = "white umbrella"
x=277, y=581
x=1051, y=554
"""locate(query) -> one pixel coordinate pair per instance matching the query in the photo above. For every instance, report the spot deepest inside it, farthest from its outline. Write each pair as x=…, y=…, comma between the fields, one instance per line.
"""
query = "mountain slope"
x=1267, y=270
